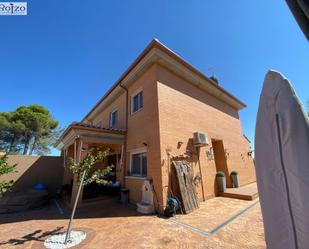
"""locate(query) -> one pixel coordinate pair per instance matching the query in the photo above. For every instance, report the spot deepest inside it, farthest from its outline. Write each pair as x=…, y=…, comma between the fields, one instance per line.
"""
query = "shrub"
x=220, y=174
x=234, y=173
x=5, y=168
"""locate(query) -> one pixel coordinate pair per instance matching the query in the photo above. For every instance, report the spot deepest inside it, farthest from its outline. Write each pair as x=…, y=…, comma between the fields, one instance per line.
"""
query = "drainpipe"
x=125, y=136
x=199, y=165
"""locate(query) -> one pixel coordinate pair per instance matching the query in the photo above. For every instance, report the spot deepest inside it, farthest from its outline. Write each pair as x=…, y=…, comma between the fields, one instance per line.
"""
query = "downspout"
x=199, y=165
x=125, y=136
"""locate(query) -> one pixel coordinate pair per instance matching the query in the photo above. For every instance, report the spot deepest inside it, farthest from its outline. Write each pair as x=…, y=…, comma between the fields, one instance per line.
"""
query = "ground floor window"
x=139, y=164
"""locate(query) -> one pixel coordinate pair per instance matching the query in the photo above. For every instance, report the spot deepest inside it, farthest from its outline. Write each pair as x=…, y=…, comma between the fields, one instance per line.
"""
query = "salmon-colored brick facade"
x=177, y=101
x=184, y=109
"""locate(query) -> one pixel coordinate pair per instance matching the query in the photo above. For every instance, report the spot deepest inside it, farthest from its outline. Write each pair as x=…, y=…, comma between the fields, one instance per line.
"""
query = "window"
x=139, y=164
x=137, y=102
x=113, y=119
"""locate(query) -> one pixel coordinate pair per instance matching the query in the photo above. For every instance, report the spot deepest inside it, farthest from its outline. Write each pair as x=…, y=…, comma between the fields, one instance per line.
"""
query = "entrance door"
x=220, y=159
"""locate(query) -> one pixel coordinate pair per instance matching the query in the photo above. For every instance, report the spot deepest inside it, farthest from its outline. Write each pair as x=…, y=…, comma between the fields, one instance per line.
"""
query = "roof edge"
x=155, y=43
x=81, y=126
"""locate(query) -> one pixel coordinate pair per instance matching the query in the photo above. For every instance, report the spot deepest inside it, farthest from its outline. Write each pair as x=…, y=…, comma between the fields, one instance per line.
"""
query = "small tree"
x=5, y=168
x=86, y=175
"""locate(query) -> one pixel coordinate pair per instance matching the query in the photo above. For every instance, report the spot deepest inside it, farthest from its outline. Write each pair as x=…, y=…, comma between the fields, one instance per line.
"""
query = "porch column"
x=77, y=158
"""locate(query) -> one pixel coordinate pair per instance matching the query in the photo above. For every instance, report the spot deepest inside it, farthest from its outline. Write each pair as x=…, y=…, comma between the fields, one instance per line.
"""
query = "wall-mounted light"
x=250, y=153
x=179, y=144
x=145, y=144
x=226, y=153
x=210, y=154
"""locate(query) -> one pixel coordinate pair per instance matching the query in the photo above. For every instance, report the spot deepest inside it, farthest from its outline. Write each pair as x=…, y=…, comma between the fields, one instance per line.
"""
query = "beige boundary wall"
x=35, y=169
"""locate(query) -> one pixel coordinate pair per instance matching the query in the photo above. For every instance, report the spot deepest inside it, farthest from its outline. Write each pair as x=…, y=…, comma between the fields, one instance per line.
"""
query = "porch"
x=248, y=192
x=76, y=142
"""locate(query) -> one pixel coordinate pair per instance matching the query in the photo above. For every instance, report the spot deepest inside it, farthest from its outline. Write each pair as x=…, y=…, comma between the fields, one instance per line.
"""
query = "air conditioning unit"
x=200, y=139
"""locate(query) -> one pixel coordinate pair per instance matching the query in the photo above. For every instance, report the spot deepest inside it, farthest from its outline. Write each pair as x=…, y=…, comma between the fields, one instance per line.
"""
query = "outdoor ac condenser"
x=200, y=139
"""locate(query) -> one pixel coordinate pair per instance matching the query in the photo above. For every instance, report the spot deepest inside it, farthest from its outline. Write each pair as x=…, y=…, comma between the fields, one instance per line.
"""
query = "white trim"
x=90, y=136
x=136, y=177
x=136, y=92
x=75, y=152
x=121, y=156
x=110, y=118
x=138, y=150
x=80, y=151
x=64, y=157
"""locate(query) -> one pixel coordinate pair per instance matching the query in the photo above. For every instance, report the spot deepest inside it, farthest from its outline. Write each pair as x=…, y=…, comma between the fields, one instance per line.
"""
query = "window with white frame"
x=139, y=164
x=137, y=102
x=113, y=119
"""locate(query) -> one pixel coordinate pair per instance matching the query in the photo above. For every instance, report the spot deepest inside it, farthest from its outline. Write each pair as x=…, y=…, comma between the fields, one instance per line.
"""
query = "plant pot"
x=221, y=181
x=235, y=179
x=124, y=195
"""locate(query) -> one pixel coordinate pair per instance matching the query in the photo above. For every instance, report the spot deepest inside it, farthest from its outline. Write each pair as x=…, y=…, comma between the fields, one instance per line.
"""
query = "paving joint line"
x=217, y=228
x=235, y=216
x=60, y=210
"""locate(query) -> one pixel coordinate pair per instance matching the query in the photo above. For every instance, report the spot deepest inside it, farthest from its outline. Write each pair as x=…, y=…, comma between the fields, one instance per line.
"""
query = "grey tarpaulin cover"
x=282, y=164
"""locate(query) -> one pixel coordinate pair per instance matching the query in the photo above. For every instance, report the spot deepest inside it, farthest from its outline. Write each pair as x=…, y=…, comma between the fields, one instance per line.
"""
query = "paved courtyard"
x=219, y=223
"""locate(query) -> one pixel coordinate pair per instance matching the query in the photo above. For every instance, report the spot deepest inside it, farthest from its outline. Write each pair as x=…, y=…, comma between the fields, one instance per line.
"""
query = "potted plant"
x=235, y=178
x=221, y=180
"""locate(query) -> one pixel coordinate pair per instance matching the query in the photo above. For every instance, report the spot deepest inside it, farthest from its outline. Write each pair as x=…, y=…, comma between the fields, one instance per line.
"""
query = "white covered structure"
x=282, y=164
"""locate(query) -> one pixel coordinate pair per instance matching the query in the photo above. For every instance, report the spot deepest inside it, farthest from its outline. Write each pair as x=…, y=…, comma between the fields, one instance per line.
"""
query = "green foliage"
x=28, y=129
x=220, y=174
x=87, y=165
x=11, y=131
x=234, y=172
x=5, y=168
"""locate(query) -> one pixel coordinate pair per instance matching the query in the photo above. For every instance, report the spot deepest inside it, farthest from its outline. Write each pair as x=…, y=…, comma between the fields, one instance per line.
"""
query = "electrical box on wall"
x=200, y=139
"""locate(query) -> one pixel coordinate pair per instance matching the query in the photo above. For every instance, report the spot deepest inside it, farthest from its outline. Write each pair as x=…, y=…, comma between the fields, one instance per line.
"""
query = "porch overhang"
x=90, y=134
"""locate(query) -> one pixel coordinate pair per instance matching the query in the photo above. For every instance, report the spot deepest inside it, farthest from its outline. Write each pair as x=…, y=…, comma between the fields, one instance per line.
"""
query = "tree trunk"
x=12, y=143
x=33, y=145
x=26, y=143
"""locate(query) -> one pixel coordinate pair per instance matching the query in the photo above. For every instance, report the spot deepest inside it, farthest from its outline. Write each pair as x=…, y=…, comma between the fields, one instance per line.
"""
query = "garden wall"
x=35, y=169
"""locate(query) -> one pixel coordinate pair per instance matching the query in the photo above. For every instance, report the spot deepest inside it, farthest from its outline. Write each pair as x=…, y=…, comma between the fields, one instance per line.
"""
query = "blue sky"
x=66, y=54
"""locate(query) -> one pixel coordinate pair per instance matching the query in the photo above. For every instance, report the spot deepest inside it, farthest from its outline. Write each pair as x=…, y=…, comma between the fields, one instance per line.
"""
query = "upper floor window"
x=113, y=119
x=137, y=102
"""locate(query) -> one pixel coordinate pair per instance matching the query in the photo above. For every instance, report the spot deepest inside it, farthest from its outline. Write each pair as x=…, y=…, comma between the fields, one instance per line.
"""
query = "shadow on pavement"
x=37, y=235
x=98, y=209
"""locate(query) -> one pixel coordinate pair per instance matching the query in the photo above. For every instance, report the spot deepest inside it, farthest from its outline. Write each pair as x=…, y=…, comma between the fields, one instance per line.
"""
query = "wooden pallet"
x=188, y=196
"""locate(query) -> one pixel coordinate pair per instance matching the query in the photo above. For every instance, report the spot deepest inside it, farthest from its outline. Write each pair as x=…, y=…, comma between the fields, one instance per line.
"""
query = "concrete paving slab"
x=115, y=226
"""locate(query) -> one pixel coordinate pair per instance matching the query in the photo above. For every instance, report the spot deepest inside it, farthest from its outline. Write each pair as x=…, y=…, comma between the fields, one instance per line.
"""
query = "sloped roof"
x=90, y=128
x=155, y=44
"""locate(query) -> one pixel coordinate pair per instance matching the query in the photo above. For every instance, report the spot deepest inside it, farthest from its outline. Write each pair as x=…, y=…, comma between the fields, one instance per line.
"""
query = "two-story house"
x=149, y=116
